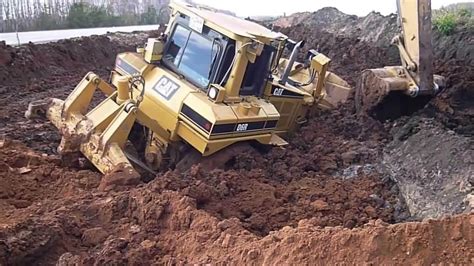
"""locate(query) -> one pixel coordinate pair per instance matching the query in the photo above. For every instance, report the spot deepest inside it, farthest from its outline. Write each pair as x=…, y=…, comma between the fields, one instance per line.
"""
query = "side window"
x=226, y=63
x=257, y=73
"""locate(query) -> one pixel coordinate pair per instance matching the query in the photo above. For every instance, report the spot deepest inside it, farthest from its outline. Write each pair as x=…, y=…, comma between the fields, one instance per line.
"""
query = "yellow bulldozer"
x=207, y=87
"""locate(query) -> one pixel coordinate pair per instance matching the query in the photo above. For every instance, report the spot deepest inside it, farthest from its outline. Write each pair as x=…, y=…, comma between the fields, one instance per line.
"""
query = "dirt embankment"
x=269, y=209
x=59, y=217
x=151, y=224
x=373, y=28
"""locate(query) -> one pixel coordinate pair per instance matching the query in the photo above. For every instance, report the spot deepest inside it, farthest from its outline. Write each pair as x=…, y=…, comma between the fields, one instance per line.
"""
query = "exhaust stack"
x=291, y=62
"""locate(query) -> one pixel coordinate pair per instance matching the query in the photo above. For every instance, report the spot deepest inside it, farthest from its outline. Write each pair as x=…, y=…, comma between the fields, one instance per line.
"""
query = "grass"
x=446, y=21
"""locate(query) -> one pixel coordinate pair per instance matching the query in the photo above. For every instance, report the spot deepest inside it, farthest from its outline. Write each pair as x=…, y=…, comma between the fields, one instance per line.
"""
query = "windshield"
x=192, y=54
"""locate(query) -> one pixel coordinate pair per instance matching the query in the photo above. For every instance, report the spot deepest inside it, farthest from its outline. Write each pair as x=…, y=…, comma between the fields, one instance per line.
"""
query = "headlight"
x=212, y=93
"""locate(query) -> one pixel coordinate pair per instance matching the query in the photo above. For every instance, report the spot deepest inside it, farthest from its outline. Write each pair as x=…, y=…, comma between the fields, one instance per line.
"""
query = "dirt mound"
x=373, y=28
x=455, y=60
x=349, y=55
x=264, y=205
x=28, y=177
x=28, y=62
x=153, y=224
x=145, y=224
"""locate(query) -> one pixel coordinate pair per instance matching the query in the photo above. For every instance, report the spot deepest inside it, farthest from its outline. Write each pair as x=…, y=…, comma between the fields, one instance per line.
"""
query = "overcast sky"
x=278, y=7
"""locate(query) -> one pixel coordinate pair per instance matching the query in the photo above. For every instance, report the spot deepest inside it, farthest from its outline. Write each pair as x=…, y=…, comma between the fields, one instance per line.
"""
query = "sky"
x=246, y=8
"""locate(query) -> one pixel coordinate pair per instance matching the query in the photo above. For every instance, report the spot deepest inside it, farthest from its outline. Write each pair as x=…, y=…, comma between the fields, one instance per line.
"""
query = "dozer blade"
x=329, y=92
x=99, y=134
x=335, y=91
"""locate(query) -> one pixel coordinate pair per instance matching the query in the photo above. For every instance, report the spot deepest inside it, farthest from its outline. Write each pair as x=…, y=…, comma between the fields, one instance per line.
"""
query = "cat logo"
x=278, y=91
x=166, y=87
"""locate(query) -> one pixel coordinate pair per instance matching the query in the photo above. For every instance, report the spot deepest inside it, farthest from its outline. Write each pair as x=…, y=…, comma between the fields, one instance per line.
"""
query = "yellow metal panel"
x=289, y=109
x=409, y=13
x=195, y=140
x=208, y=147
x=234, y=82
x=103, y=113
x=233, y=27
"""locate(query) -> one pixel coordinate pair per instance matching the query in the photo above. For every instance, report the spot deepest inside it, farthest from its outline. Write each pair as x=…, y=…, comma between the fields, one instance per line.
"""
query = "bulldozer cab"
x=195, y=56
x=207, y=48
x=207, y=57
x=211, y=50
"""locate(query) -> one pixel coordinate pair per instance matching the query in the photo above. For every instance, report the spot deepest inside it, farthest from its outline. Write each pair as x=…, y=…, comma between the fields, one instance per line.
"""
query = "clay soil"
x=322, y=198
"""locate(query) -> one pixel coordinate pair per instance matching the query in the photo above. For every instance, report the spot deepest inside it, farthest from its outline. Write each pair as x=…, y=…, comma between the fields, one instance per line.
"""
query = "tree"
x=77, y=17
x=150, y=16
x=2, y=27
x=27, y=15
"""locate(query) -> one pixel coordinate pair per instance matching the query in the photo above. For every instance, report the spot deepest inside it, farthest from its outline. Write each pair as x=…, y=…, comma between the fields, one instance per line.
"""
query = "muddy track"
x=324, y=197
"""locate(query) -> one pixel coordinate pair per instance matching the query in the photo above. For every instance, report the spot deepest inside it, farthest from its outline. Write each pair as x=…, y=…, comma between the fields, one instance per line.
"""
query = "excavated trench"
x=331, y=175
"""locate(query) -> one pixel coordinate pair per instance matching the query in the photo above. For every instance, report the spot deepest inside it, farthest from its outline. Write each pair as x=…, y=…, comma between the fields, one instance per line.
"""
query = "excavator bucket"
x=101, y=133
x=381, y=93
x=390, y=92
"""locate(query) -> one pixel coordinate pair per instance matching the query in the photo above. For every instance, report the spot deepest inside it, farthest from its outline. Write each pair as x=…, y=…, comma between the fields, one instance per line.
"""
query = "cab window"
x=192, y=54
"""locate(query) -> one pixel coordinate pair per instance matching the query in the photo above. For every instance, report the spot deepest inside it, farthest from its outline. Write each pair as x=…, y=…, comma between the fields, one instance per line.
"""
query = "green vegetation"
x=29, y=15
x=446, y=21
x=83, y=15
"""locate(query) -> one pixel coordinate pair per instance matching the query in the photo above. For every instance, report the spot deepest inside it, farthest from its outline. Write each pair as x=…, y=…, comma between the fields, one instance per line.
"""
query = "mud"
x=421, y=153
x=150, y=224
x=334, y=195
x=374, y=28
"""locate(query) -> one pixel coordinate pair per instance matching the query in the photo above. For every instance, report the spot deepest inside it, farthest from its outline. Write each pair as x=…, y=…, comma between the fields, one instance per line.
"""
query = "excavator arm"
x=414, y=77
x=414, y=44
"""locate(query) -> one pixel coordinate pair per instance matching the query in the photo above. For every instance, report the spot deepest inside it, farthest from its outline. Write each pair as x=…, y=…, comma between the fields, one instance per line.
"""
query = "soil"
x=373, y=28
x=338, y=193
x=446, y=160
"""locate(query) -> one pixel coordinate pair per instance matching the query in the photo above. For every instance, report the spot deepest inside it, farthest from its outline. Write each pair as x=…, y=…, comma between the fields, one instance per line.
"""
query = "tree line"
x=32, y=15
